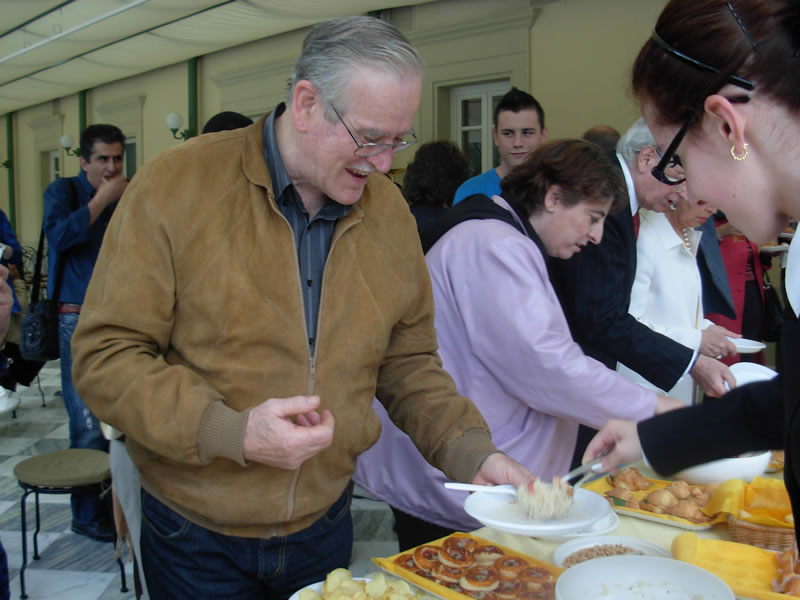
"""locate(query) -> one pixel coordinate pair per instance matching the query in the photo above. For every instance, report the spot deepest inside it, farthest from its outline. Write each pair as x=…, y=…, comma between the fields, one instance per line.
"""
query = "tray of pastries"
x=462, y=566
x=675, y=503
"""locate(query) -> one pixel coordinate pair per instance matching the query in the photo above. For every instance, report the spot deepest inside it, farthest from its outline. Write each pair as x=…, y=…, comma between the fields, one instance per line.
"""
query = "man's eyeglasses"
x=373, y=148
x=662, y=171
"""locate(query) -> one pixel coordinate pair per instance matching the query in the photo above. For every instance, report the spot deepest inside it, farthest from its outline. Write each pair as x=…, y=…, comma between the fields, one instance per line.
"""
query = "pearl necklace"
x=686, y=238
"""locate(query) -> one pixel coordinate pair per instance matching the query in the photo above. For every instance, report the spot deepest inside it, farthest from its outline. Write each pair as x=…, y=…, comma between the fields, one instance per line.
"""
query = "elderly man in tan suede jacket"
x=255, y=289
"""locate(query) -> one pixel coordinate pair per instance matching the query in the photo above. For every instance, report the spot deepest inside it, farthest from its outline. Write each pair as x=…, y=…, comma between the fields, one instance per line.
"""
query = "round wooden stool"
x=72, y=471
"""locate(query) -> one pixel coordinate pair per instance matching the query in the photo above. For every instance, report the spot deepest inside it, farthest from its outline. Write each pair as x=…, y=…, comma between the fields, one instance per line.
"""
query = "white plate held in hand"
x=745, y=346
x=504, y=514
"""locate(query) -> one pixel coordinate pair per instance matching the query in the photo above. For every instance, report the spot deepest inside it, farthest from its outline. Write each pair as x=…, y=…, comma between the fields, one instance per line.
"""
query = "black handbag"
x=38, y=335
x=772, y=320
x=38, y=330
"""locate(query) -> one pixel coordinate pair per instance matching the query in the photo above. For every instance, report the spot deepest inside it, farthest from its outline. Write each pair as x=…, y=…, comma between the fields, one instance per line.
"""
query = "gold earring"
x=737, y=156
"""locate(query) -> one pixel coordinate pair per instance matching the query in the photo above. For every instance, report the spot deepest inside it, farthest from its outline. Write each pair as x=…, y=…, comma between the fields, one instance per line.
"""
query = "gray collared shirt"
x=312, y=236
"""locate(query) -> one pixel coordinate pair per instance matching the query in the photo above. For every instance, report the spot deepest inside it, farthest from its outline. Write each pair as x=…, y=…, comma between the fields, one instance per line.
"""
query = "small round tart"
x=508, y=589
x=509, y=567
x=453, y=556
x=480, y=595
x=533, y=578
x=425, y=557
x=480, y=579
x=487, y=555
x=406, y=561
x=545, y=591
x=447, y=573
x=467, y=544
x=453, y=586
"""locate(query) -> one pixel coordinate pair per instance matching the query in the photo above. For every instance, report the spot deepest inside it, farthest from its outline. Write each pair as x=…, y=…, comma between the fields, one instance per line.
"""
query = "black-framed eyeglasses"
x=373, y=148
x=669, y=159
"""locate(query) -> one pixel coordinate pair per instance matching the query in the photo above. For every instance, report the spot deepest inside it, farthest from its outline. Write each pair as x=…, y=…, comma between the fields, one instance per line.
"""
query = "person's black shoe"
x=99, y=531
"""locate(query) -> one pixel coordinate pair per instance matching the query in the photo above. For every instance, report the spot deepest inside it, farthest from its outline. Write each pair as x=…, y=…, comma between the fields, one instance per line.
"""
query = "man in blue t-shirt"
x=518, y=130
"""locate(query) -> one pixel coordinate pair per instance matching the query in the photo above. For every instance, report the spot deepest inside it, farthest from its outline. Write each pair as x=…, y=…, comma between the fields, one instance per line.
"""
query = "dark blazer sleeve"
x=716, y=289
x=748, y=418
x=594, y=287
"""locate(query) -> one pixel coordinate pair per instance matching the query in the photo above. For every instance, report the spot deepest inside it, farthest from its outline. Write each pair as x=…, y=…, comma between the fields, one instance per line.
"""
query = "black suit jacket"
x=594, y=287
x=716, y=289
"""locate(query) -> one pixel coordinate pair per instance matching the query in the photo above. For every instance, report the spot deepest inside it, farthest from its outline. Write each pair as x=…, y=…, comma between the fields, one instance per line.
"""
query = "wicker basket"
x=763, y=536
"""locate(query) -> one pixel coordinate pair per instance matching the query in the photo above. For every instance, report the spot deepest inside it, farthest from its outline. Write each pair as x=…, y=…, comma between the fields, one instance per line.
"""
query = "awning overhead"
x=51, y=48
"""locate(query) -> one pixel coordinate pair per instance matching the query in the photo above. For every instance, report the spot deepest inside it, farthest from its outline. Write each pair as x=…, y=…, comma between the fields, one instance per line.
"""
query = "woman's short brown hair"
x=582, y=170
x=721, y=35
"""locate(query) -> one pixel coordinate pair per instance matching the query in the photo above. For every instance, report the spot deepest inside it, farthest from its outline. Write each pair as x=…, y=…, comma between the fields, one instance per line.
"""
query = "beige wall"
x=581, y=54
x=573, y=54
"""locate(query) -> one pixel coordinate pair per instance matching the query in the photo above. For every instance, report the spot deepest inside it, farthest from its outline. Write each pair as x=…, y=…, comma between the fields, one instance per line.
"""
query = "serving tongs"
x=586, y=472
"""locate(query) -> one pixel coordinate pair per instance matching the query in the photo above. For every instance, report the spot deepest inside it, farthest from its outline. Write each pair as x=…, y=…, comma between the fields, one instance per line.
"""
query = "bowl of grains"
x=579, y=550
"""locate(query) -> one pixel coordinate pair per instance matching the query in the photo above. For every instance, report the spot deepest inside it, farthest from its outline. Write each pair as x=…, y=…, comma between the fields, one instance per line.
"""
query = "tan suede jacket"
x=194, y=315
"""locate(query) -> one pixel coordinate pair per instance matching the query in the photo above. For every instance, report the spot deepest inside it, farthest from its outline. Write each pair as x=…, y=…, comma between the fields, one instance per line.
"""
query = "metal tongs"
x=588, y=471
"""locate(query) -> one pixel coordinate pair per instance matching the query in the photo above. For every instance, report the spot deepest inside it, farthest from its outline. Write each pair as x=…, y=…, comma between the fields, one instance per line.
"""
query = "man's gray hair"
x=334, y=50
x=632, y=141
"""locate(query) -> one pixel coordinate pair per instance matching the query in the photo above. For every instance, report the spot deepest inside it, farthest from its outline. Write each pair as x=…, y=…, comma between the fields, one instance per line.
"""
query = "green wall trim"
x=192, y=90
x=12, y=204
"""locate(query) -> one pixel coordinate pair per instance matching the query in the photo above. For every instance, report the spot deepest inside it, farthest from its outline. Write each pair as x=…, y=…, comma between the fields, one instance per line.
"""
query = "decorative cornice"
x=262, y=72
x=516, y=19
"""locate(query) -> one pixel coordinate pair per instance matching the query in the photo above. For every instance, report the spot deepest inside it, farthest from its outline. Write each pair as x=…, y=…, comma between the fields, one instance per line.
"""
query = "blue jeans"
x=84, y=428
x=183, y=560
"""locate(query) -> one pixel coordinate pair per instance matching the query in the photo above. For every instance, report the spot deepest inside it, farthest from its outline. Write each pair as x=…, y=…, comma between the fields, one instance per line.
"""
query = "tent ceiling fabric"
x=54, y=48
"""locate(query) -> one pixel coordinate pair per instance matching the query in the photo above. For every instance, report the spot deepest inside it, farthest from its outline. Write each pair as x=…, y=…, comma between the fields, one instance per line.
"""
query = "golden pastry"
x=629, y=478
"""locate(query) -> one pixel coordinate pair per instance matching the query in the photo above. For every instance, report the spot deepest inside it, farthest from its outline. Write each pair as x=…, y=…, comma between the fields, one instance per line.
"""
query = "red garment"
x=734, y=255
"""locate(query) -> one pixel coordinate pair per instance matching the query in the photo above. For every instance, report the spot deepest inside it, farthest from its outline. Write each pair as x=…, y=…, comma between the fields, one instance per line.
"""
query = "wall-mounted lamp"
x=174, y=123
x=66, y=143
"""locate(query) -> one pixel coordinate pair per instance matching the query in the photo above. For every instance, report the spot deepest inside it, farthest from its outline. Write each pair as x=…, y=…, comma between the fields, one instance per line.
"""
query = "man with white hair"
x=594, y=286
x=255, y=290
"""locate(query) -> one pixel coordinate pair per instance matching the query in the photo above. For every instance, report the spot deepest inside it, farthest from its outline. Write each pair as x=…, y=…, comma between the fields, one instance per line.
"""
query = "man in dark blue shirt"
x=77, y=212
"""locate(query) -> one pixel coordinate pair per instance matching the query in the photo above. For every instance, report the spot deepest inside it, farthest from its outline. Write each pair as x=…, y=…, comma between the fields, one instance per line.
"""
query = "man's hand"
x=620, y=439
x=6, y=303
x=714, y=341
x=109, y=191
x=665, y=403
x=711, y=375
x=498, y=469
x=271, y=436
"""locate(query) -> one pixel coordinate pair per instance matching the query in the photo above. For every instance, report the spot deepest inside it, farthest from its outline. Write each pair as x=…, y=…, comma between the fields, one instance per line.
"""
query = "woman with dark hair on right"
x=719, y=86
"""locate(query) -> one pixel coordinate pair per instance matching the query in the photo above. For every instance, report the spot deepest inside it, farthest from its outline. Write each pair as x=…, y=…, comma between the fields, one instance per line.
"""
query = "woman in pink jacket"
x=503, y=336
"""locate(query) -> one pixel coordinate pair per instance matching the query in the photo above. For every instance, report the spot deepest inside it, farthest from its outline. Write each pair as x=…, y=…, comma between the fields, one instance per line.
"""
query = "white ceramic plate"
x=746, y=466
x=317, y=587
x=608, y=523
x=745, y=346
x=747, y=372
x=639, y=578
x=504, y=514
x=564, y=550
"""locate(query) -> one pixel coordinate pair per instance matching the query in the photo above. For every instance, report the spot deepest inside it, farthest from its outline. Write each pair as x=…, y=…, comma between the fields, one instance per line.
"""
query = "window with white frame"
x=54, y=164
x=472, y=109
x=130, y=157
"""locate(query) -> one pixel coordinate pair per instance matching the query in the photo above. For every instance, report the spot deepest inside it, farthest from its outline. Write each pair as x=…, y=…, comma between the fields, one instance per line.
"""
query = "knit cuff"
x=222, y=434
x=462, y=459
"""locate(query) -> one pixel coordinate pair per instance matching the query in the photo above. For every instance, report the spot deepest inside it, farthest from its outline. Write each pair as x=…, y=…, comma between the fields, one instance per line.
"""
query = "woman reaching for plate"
x=719, y=86
x=503, y=336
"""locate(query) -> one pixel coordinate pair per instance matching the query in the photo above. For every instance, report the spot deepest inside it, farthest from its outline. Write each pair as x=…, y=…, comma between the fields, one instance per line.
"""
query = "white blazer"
x=667, y=292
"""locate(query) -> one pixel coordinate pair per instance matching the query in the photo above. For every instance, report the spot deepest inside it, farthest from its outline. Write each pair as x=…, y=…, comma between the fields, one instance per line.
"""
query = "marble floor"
x=73, y=567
